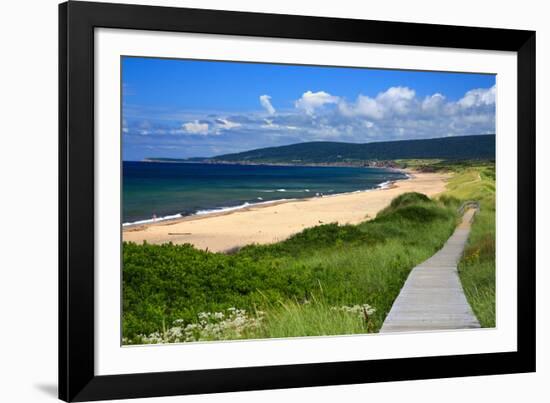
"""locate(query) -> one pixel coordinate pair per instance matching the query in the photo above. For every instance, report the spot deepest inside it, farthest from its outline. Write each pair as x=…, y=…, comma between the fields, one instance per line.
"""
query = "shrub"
x=409, y=198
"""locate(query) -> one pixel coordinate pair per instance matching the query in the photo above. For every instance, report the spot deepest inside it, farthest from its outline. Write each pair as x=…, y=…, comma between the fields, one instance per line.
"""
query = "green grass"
x=477, y=267
x=298, y=287
x=313, y=319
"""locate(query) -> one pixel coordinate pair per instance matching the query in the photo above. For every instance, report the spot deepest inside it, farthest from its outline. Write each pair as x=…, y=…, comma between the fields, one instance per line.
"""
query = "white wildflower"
x=210, y=326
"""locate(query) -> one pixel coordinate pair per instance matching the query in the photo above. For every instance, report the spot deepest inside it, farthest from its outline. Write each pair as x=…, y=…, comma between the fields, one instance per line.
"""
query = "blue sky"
x=185, y=108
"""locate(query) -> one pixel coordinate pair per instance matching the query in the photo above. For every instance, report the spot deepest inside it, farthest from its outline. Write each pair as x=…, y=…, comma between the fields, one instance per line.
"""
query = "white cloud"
x=433, y=103
x=265, y=101
x=478, y=97
x=144, y=128
x=327, y=131
x=227, y=124
x=269, y=124
x=364, y=106
x=310, y=101
x=477, y=119
x=395, y=100
x=195, y=127
x=396, y=93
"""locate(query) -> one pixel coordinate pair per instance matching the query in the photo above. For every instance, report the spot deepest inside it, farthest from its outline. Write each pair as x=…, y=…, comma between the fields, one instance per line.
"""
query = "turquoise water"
x=169, y=190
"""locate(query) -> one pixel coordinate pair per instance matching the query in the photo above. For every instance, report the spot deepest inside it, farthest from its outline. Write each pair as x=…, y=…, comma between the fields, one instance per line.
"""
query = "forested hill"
x=454, y=148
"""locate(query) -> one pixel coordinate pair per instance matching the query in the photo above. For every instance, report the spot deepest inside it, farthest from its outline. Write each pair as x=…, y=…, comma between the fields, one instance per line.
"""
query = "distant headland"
x=376, y=154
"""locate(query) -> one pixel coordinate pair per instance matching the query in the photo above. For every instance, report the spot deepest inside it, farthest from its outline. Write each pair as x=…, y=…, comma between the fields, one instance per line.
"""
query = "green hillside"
x=449, y=148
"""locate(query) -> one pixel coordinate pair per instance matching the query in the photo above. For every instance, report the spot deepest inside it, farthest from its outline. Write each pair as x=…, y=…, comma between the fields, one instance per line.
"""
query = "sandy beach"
x=275, y=222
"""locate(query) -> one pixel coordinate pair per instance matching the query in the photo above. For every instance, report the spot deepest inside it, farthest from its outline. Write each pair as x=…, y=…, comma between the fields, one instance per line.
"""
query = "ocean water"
x=170, y=190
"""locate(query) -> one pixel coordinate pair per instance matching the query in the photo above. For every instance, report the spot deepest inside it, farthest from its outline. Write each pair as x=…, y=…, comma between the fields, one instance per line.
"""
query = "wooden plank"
x=432, y=298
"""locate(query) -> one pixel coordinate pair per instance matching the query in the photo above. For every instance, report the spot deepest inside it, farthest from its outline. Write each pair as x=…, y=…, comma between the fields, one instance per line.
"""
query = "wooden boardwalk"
x=432, y=298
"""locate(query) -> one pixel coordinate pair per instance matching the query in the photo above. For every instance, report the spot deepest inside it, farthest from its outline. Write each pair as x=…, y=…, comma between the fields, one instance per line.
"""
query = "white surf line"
x=432, y=298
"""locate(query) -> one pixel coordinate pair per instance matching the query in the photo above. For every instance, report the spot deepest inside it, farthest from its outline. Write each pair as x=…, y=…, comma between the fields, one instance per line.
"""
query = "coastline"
x=389, y=164
x=247, y=205
x=276, y=220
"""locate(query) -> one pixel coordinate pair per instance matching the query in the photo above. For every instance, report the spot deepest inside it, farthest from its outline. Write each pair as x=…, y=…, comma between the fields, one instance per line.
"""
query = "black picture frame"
x=77, y=21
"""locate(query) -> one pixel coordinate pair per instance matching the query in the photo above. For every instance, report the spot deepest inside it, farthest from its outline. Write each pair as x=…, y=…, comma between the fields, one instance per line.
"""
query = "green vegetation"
x=449, y=148
x=477, y=267
x=325, y=280
x=475, y=181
